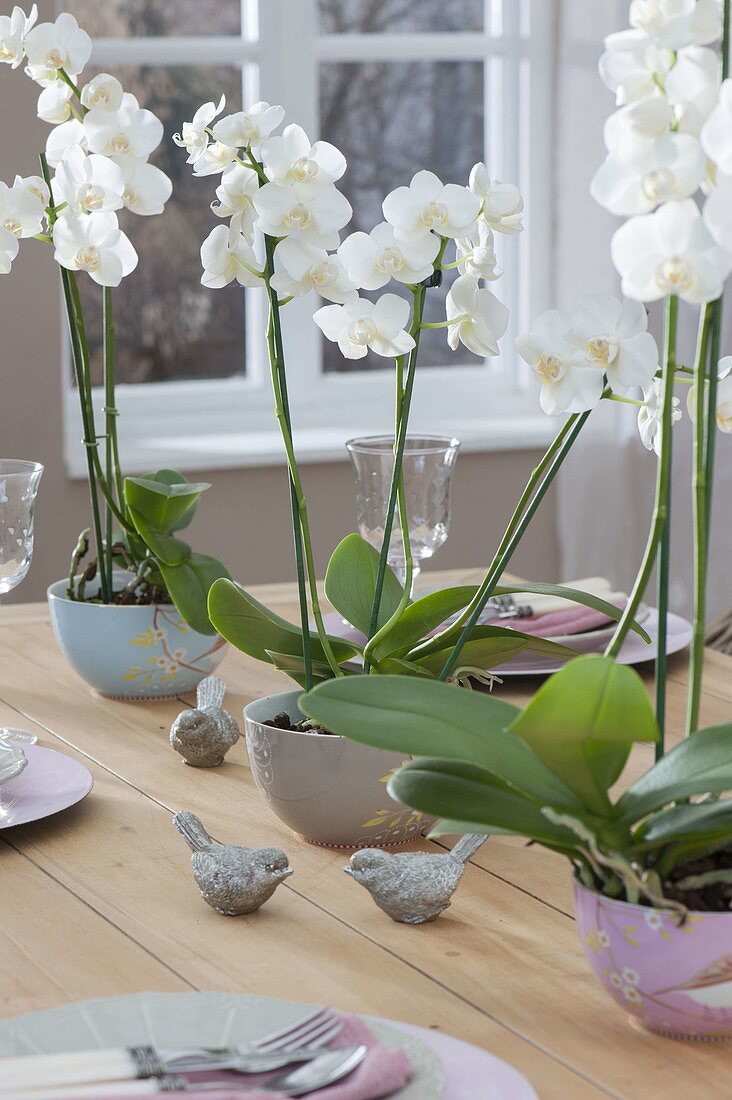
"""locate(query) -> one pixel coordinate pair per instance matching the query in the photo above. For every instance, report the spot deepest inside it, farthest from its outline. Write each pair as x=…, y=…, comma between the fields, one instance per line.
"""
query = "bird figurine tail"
x=467, y=846
x=191, y=829
x=210, y=693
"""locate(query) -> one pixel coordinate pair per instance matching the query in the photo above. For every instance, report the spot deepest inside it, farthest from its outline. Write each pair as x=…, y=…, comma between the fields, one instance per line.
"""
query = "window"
x=398, y=85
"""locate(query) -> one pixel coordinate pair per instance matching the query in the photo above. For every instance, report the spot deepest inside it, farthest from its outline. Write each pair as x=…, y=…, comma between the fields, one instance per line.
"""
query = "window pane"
x=390, y=120
x=390, y=16
x=168, y=325
x=139, y=18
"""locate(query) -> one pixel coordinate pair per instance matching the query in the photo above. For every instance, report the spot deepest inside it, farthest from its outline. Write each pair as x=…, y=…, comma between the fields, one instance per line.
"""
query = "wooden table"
x=99, y=901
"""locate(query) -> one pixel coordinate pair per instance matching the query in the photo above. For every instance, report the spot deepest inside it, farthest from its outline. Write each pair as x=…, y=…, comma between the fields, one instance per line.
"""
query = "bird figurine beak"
x=348, y=871
x=285, y=873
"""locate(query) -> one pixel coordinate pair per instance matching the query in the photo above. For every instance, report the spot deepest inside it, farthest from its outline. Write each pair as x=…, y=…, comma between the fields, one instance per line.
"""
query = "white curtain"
x=605, y=490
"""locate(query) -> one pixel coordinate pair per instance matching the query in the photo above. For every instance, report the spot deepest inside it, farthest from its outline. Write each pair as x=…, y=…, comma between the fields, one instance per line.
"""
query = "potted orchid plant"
x=132, y=616
x=652, y=867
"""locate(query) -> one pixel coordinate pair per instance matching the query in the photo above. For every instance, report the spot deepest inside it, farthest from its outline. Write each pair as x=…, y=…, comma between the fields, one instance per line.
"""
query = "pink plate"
x=50, y=783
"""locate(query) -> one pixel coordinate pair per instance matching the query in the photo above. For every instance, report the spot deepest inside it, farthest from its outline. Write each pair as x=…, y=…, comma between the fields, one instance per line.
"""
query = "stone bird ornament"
x=413, y=887
x=203, y=736
x=232, y=879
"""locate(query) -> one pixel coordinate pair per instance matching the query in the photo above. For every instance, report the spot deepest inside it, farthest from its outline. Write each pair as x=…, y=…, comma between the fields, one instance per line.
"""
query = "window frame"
x=229, y=423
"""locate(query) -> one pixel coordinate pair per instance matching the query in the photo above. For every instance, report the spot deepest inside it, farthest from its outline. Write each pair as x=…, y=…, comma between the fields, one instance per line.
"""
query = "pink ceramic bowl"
x=676, y=981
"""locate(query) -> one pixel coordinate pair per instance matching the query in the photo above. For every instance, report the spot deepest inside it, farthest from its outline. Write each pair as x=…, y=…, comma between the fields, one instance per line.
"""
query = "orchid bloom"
x=227, y=256
x=428, y=205
x=569, y=384
x=476, y=254
x=34, y=185
x=54, y=102
x=670, y=252
x=677, y=23
x=96, y=245
x=649, y=415
x=671, y=168
x=477, y=318
x=21, y=212
x=102, y=91
x=88, y=184
x=692, y=88
x=130, y=131
x=13, y=31
x=215, y=158
x=193, y=137
x=8, y=250
x=359, y=325
x=290, y=158
x=146, y=188
x=501, y=203
x=53, y=46
x=300, y=267
x=62, y=138
x=636, y=71
x=716, y=135
x=613, y=336
x=315, y=214
x=373, y=259
x=248, y=129
x=235, y=195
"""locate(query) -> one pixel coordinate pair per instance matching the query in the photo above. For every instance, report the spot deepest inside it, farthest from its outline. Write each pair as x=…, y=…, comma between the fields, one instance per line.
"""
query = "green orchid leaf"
x=492, y=646
x=420, y=619
x=583, y=722
x=162, y=504
x=424, y=717
x=452, y=790
x=294, y=666
x=701, y=764
x=350, y=583
x=254, y=629
x=396, y=666
x=188, y=584
x=695, y=821
x=166, y=548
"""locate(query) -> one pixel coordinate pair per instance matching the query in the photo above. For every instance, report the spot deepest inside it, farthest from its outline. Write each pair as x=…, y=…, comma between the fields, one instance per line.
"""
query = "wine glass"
x=428, y=463
x=18, y=488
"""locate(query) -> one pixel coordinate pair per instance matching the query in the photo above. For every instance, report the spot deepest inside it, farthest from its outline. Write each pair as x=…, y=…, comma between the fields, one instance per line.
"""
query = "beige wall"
x=244, y=518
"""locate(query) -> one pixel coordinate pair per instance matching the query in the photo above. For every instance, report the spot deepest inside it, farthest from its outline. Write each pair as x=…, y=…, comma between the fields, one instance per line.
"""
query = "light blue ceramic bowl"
x=132, y=652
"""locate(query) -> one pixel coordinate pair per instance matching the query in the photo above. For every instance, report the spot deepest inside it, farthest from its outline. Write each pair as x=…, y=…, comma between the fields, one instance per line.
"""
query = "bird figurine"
x=413, y=887
x=204, y=735
x=232, y=879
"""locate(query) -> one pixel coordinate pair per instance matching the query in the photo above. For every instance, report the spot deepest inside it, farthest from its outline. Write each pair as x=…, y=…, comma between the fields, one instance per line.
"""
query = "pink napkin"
x=383, y=1072
x=556, y=624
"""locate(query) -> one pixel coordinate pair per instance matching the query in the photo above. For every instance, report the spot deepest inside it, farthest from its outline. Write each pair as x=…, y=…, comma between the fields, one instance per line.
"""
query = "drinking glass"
x=428, y=463
x=18, y=489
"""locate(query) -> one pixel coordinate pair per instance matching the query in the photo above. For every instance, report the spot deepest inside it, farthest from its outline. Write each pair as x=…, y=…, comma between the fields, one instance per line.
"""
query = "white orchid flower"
x=215, y=158
x=62, y=138
x=88, y=184
x=60, y=45
x=248, y=129
x=477, y=319
x=718, y=212
x=716, y=135
x=372, y=259
x=300, y=267
x=635, y=68
x=54, y=103
x=235, y=198
x=13, y=29
x=130, y=131
x=227, y=256
x=8, y=250
x=670, y=252
x=632, y=127
x=291, y=158
x=476, y=254
x=96, y=245
x=35, y=185
x=427, y=205
x=612, y=336
x=146, y=188
x=193, y=137
x=359, y=325
x=103, y=91
x=21, y=212
x=692, y=88
x=568, y=385
x=677, y=23
x=671, y=168
x=315, y=214
x=650, y=413
x=501, y=203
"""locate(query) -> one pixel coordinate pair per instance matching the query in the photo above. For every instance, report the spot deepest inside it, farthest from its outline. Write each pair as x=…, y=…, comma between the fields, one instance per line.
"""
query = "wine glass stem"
x=401, y=572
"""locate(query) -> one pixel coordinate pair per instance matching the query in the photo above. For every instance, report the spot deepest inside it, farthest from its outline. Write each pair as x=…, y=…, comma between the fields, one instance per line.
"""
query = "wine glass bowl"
x=428, y=464
x=18, y=488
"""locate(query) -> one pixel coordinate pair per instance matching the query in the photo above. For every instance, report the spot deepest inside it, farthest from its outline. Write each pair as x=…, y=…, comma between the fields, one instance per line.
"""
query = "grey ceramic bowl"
x=329, y=790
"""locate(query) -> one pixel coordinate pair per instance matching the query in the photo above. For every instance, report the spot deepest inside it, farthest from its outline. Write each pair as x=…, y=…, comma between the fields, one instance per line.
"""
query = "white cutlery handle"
x=37, y=1071
x=124, y=1090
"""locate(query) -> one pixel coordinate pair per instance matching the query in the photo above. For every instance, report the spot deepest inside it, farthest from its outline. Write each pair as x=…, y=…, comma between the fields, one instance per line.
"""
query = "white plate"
x=190, y=1019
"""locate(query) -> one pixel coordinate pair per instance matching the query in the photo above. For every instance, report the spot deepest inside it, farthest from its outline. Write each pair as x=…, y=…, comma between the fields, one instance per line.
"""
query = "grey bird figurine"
x=413, y=887
x=232, y=879
x=204, y=736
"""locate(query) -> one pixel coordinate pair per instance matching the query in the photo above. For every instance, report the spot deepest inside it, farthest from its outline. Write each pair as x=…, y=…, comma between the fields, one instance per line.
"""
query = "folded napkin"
x=559, y=624
x=384, y=1071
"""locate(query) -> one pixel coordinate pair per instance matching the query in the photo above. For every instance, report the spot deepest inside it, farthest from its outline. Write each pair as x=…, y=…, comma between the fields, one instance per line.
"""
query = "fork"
x=507, y=608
